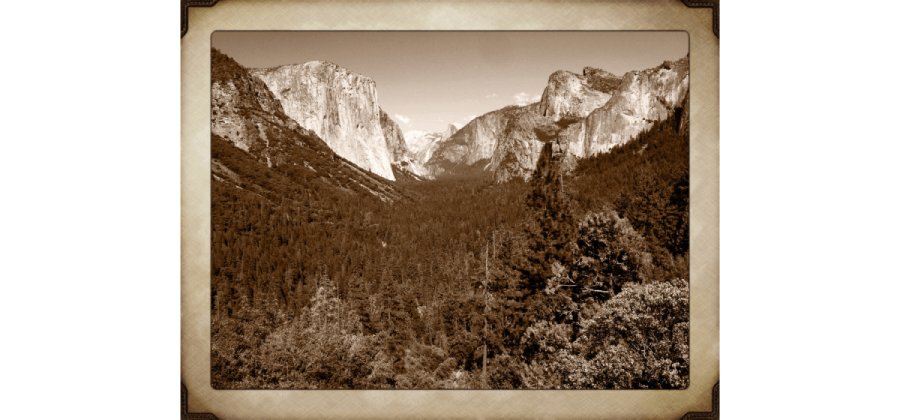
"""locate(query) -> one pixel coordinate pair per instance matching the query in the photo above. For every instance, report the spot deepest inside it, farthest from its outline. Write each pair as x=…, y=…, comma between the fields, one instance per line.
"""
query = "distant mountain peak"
x=451, y=130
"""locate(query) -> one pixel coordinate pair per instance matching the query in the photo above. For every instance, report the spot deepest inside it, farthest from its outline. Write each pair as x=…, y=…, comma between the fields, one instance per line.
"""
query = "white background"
x=89, y=165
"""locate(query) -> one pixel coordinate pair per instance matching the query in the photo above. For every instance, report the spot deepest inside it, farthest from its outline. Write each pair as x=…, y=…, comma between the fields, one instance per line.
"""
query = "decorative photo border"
x=699, y=18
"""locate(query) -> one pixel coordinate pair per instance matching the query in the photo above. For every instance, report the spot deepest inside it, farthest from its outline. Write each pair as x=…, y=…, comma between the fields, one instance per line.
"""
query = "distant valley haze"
x=427, y=80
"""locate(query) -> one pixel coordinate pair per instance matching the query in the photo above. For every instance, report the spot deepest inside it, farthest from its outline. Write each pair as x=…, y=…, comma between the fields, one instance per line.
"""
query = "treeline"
x=560, y=282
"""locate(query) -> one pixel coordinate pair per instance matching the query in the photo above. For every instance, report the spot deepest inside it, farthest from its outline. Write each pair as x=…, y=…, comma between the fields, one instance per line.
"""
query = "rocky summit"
x=642, y=98
x=572, y=96
x=339, y=105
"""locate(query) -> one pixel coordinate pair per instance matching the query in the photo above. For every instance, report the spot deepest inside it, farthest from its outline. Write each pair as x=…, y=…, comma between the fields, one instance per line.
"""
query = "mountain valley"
x=517, y=251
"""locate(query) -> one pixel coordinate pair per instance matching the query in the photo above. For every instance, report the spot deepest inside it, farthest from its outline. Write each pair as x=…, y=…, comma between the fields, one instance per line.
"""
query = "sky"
x=427, y=80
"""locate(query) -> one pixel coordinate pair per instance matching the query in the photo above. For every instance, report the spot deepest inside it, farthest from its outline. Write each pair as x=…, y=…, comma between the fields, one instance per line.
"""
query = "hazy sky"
x=426, y=80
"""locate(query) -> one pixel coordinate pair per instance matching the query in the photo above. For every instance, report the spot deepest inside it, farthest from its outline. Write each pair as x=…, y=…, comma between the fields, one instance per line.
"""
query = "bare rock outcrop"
x=393, y=137
x=583, y=114
x=244, y=112
x=521, y=144
x=339, y=105
x=572, y=96
x=475, y=143
x=642, y=98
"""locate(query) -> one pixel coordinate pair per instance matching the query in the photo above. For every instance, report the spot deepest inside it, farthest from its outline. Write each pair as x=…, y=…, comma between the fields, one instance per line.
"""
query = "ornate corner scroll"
x=185, y=4
x=712, y=4
x=184, y=400
x=714, y=414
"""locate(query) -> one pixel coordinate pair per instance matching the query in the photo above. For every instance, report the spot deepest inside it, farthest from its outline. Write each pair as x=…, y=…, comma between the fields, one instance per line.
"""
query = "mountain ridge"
x=583, y=112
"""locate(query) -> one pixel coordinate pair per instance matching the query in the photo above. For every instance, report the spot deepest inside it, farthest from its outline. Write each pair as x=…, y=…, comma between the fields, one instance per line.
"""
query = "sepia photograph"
x=396, y=209
x=449, y=210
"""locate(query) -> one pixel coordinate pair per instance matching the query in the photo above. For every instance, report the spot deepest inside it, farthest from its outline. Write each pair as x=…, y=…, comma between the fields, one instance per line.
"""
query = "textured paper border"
x=449, y=15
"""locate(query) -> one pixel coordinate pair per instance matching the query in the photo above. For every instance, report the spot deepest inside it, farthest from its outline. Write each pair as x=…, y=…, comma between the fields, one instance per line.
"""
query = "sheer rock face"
x=503, y=144
x=642, y=98
x=340, y=106
x=506, y=142
x=245, y=113
x=475, y=142
x=572, y=96
x=520, y=146
x=571, y=140
x=393, y=137
x=402, y=158
x=585, y=114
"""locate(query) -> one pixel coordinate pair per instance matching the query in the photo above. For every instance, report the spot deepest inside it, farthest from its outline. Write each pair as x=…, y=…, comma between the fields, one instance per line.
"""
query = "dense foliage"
x=560, y=282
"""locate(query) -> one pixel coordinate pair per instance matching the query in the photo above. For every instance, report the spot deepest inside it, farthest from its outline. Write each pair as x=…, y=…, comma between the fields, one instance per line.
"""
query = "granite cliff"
x=572, y=96
x=472, y=144
x=393, y=137
x=246, y=115
x=339, y=105
x=642, y=98
x=587, y=114
x=405, y=164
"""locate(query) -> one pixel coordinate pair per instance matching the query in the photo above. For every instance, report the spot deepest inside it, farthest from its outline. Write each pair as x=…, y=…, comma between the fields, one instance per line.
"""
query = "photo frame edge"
x=710, y=4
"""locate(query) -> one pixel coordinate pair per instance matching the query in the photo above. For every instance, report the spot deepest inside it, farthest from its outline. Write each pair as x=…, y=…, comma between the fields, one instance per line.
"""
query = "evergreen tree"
x=610, y=254
x=360, y=303
x=550, y=231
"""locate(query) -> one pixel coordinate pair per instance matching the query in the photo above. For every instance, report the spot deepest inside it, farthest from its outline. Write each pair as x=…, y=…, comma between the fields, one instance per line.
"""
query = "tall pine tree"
x=551, y=230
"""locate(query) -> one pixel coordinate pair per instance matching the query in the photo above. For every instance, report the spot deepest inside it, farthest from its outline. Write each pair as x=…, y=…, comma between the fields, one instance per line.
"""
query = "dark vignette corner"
x=184, y=408
x=713, y=415
x=185, y=4
x=696, y=4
